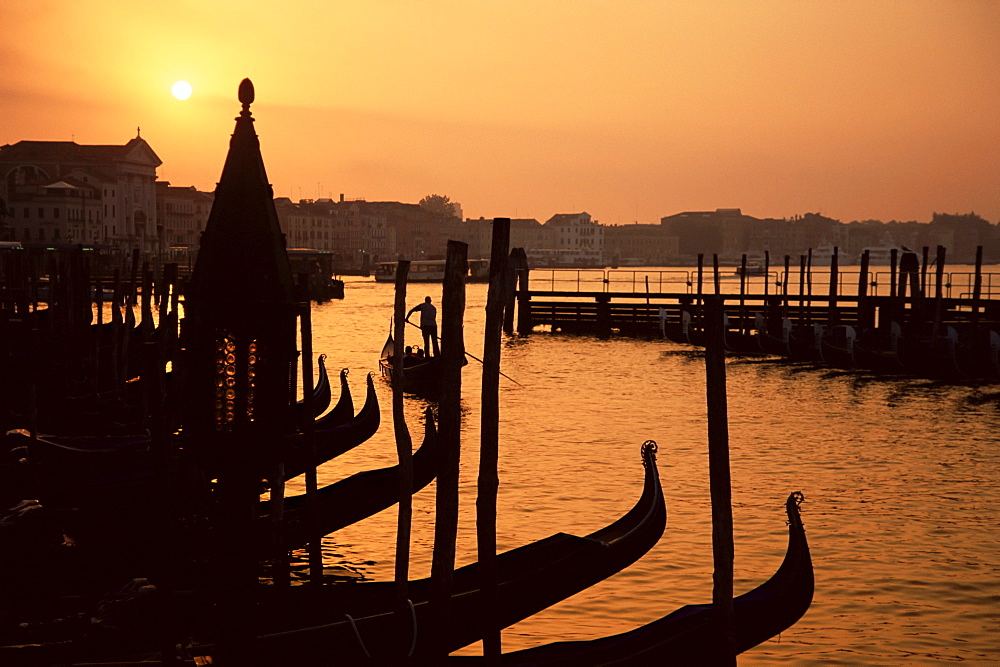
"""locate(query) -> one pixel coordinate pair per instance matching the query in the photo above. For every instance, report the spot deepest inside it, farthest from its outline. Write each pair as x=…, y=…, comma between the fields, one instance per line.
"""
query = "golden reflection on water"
x=900, y=479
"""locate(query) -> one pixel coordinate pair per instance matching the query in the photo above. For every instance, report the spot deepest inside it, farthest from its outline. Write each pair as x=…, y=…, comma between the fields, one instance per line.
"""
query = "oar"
x=468, y=354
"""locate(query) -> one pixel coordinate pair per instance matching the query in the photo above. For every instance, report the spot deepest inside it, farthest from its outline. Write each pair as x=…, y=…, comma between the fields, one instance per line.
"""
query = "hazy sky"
x=627, y=110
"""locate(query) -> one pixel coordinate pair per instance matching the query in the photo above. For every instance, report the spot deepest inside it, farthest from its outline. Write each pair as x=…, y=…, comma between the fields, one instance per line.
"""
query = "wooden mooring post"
x=404, y=453
x=720, y=483
x=449, y=439
x=489, y=443
x=519, y=263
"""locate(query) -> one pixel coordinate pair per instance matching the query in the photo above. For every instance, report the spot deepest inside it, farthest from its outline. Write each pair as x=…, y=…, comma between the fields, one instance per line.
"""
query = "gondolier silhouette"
x=428, y=325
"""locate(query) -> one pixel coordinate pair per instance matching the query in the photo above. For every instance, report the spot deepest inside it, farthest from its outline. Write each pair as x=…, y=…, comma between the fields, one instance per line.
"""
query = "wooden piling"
x=519, y=259
x=146, y=301
x=700, y=291
x=866, y=314
x=833, y=315
x=116, y=334
x=510, y=285
x=977, y=287
x=923, y=270
x=603, y=315
x=809, y=276
x=893, y=263
x=717, y=277
x=744, y=329
x=404, y=453
x=767, y=270
x=449, y=439
x=489, y=446
x=96, y=349
x=784, y=283
x=802, y=290
x=720, y=484
x=309, y=431
x=938, y=292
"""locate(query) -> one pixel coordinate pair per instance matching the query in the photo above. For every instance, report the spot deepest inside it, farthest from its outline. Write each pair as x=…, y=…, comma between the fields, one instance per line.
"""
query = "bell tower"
x=240, y=307
x=238, y=370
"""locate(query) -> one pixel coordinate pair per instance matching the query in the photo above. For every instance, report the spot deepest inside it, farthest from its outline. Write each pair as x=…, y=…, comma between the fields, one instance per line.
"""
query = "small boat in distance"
x=755, y=266
x=823, y=256
x=881, y=255
x=431, y=271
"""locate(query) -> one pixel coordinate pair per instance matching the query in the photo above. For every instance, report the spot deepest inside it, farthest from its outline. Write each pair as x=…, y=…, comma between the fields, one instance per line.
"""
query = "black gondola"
x=355, y=498
x=95, y=470
x=306, y=625
x=530, y=578
x=689, y=636
x=421, y=376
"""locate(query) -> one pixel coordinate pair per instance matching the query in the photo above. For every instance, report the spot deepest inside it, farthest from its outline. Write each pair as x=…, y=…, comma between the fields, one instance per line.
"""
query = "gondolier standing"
x=428, y=325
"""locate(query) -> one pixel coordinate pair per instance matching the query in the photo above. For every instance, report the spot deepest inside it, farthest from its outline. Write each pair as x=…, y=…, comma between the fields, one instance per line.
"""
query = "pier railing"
x=958, y=284
x=634, y=302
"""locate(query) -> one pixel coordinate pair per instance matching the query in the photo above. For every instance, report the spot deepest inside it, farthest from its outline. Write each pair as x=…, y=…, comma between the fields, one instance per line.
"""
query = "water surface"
x=900, y=478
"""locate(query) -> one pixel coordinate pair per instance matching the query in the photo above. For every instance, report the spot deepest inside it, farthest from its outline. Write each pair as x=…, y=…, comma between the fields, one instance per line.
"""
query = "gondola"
x=805, y=343
x=331, y=439
x=306, y=625
x=321, y=396
x=775, y=339
x=927, y=355
x=688, y=636
x=355, y=498
x=338, y=504
x=81, y=438
x=878, y=349
x=678, y=332
x=530, y=578
x=421, y=377
x=343, y=411
x=838, y=343
x=92, y=470
x=744, y=342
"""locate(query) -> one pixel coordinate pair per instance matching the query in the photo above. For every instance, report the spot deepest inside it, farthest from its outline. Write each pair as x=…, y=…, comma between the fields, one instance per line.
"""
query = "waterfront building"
x=578, y=238
x=62, y=192
x=181, y=216
x=526, y=233
x=639, y=245
x=357, y=233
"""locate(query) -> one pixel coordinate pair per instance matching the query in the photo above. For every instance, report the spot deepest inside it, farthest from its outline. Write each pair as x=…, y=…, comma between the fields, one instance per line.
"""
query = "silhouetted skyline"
x=854, y=110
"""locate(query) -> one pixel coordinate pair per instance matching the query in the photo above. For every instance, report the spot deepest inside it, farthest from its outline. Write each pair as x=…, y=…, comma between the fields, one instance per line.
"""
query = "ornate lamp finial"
x=246, y=94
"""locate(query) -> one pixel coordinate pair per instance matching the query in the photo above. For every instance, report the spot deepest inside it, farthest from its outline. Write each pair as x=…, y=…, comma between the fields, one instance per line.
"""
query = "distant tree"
x=440, y=204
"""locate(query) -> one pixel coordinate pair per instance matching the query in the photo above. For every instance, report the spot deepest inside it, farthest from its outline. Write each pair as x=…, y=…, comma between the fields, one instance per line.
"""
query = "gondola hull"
x=689, y=635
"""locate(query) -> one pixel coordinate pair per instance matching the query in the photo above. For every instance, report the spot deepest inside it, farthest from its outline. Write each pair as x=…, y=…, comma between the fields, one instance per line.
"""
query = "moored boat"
x=530, y=578
x=689, y=635
x=306, y=625
x=431, y=271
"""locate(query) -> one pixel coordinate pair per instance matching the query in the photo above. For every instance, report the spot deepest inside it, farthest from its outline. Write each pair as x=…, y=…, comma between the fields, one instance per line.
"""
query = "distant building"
x=356, y=232
x=640, y=245
x=61, y=192
x=730, y=233
x=577, y=240
x=524, y=233
x=181, y=216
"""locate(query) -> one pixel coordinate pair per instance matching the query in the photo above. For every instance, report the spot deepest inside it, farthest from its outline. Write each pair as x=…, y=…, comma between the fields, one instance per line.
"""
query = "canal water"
x=900, y=478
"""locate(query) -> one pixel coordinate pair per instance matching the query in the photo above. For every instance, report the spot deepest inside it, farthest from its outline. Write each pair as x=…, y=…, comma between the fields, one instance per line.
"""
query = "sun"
x=181, y=90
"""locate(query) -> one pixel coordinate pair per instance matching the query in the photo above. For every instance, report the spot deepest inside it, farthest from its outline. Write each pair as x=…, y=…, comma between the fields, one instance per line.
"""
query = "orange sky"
x=627, y=110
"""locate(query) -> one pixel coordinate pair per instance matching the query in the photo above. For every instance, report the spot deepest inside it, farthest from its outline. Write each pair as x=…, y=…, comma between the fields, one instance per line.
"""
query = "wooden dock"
x=602, y=310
